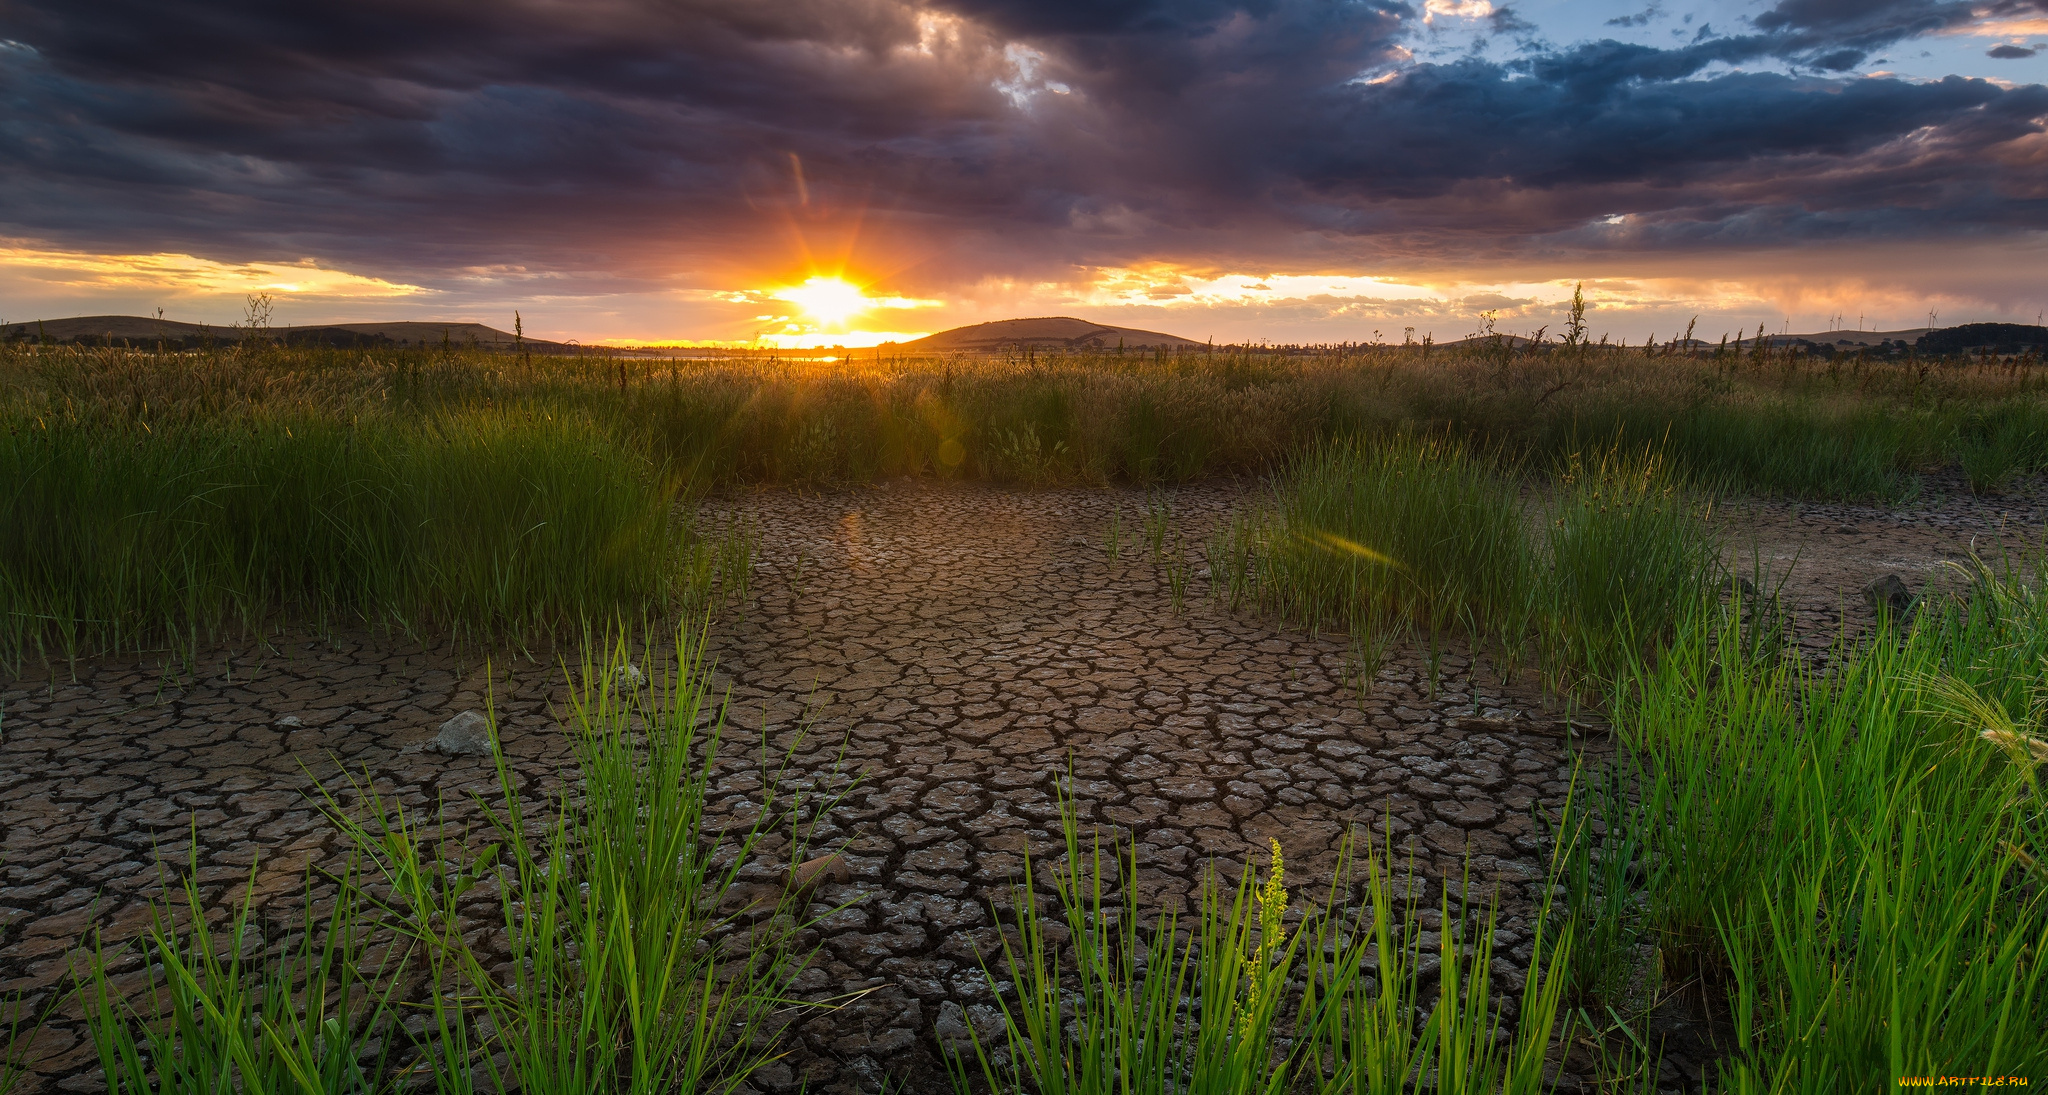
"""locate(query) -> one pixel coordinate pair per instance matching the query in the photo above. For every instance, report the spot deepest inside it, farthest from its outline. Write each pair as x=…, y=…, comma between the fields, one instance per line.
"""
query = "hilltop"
x=1048, y=332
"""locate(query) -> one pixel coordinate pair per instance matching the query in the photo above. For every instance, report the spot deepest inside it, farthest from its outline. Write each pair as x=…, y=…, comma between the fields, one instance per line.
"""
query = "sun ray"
x=831, y=301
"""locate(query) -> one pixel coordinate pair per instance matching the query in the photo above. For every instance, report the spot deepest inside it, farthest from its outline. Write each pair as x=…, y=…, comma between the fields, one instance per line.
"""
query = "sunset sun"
x=831, y=301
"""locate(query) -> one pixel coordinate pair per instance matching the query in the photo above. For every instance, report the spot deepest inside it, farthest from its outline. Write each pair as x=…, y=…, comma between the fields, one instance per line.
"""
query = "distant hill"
x=144, y=331
x=1848, y=341
x=1049, y=332
x=2003, y=338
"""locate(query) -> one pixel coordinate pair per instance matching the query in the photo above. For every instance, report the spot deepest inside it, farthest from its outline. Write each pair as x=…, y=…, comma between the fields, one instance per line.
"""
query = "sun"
x=830, y=301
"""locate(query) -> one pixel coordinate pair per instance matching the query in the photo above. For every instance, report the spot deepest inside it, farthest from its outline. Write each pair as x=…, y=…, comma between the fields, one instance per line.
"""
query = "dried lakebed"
x=938, y=656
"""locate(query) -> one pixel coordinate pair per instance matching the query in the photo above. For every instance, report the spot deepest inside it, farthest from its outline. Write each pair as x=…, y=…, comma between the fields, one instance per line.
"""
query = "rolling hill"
x=1047, y=332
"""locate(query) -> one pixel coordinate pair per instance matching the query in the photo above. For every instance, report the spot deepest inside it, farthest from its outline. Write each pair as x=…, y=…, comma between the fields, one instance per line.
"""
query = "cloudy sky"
x=1287, y=170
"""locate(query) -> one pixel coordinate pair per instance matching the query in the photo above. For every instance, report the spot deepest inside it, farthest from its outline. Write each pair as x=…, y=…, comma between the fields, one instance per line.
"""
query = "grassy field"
x=1843, y=867
x=180, y=498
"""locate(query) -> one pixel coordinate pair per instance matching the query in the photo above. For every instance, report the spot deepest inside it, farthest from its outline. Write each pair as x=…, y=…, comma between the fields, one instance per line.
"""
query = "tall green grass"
x=1629, y=556
x=1843, y=446
x=114, y=536
x=224, y=1008
x=1414, y=533
x=19, y=1024
x=1850, y=861
x=603, y=944
x=1794, y=425
x=1854, y=857
x=1996, y=443
x=1418, y=530
x=170, y=497
x=1262, y=992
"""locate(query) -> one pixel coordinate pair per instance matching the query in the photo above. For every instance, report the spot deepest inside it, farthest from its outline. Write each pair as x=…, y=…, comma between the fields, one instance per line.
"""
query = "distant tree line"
x=1999, y=338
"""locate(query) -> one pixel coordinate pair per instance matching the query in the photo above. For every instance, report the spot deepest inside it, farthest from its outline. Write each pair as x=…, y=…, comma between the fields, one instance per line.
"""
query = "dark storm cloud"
x=1639, y=19
x=1873, y=24
x=1837, y=35
x=427, y=138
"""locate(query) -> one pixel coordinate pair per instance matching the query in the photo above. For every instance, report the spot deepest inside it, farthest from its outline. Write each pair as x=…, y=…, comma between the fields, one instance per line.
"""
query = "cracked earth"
x=960, y=649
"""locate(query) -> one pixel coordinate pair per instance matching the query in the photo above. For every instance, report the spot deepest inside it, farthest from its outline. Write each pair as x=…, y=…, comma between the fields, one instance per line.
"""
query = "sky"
x=821, y=172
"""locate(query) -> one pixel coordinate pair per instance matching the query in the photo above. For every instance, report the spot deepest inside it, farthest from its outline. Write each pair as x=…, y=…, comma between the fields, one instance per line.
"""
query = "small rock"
x=467, y=734
x=806, y=877
x=629, y=679
x=289, y=722
x=1889, y=596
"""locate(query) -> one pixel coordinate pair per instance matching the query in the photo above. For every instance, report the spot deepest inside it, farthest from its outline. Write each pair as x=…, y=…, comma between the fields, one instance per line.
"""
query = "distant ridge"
x=1047, y=332
x=1998, y=337
x=145, y=331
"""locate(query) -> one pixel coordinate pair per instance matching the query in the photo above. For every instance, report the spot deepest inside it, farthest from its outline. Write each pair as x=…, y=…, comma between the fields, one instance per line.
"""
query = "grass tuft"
x=603, y=944
x=1263, y=992
x=1848, y=855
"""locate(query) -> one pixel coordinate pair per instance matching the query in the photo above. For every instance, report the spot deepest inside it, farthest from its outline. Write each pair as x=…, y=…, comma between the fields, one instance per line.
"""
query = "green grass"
x=1843, y=445
x=222, y=1009
x=1629, y=556
x=1853, y=857
x=1262, y=992
x=1847, y=865
x=635, y=963
x=120, y=537
x=1366, y=532
x=179, y=498
x=1994, y=444
x=19, y=1024
x=1411, y=534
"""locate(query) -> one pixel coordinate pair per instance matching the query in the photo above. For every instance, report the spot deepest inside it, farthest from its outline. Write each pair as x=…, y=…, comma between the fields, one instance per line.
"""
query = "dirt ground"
x=959, y=649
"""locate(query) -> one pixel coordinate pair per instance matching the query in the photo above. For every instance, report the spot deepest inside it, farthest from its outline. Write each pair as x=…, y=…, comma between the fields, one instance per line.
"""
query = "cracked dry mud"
x=960, y=648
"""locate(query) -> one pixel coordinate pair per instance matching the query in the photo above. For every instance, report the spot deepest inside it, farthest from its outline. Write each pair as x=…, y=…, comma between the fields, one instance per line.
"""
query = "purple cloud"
x=632, y=140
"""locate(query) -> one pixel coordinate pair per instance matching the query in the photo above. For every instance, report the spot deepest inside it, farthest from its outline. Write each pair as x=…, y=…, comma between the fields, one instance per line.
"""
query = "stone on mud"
x=806, y=877
x=629, y=680
x=467, y=734
x=1889, y=596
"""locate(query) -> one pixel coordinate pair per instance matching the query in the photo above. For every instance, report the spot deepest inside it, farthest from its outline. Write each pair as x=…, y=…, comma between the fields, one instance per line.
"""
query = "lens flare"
x=830, y=301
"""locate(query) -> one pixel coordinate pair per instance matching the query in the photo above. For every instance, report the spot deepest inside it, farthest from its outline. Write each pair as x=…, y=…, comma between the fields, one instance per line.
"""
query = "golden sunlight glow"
x=825, y=311
x=1465, y=9
x=831, y=301
x=2001, y=28
x=1453, y=306
x=181, y=273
